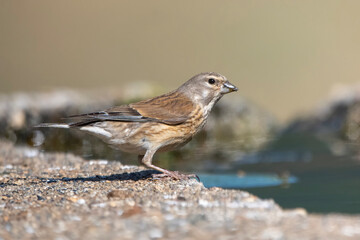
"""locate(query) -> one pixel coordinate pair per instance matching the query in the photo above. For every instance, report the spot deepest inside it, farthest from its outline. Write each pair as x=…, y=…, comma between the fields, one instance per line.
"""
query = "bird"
x=159, y=124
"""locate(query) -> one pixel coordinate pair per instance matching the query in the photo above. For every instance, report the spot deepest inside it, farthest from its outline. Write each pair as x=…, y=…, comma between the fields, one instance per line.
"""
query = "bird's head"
x=206, y=88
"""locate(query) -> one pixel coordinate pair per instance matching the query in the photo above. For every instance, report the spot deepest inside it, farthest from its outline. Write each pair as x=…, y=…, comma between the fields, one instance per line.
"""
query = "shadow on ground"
x=134, y=176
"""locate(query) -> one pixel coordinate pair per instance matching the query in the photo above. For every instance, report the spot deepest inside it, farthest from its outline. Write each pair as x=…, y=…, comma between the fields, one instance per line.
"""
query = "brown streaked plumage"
x=162, y=123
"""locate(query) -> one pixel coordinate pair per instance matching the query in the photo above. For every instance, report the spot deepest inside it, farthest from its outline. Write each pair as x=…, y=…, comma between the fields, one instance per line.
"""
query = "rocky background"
x=235, y=126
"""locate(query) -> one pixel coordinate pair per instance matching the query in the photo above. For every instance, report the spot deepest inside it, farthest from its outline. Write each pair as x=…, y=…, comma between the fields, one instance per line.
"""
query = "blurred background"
x=287, y=58
x=284, y=55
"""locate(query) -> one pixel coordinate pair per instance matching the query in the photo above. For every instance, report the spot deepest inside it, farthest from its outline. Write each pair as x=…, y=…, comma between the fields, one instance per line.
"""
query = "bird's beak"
x=228, y=88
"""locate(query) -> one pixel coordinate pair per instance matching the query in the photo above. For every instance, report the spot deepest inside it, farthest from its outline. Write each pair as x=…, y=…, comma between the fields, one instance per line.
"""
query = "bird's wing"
x=171, y=109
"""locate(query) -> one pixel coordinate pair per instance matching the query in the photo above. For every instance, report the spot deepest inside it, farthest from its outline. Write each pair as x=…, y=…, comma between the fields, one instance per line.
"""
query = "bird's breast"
x=197, y=119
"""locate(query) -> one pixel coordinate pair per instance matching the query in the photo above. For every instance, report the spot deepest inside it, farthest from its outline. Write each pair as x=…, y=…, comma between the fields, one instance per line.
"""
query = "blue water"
x=317, y=174
x=244, y=181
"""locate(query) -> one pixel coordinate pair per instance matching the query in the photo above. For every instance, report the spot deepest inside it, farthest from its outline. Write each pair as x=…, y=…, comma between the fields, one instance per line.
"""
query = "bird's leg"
x=147, y=161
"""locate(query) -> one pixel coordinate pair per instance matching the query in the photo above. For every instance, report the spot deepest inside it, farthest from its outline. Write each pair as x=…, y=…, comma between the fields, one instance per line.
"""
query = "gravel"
x=62, y=196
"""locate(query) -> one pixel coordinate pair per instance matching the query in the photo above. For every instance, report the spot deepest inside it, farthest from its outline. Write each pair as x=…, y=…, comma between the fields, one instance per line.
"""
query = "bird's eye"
x=211, y=81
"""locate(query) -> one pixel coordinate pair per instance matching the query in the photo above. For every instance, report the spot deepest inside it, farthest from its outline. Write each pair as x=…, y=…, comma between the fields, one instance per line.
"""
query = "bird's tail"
x=52, y=125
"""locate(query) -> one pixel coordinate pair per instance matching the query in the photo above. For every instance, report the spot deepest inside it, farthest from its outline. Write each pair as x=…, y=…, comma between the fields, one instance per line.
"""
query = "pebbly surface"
x=61, y=196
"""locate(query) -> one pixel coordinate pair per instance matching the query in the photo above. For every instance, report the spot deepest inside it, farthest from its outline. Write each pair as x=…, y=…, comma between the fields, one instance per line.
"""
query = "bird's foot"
x=175, y=175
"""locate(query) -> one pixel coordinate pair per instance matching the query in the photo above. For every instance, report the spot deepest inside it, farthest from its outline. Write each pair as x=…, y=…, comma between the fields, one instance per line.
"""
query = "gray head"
x=207, y=88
